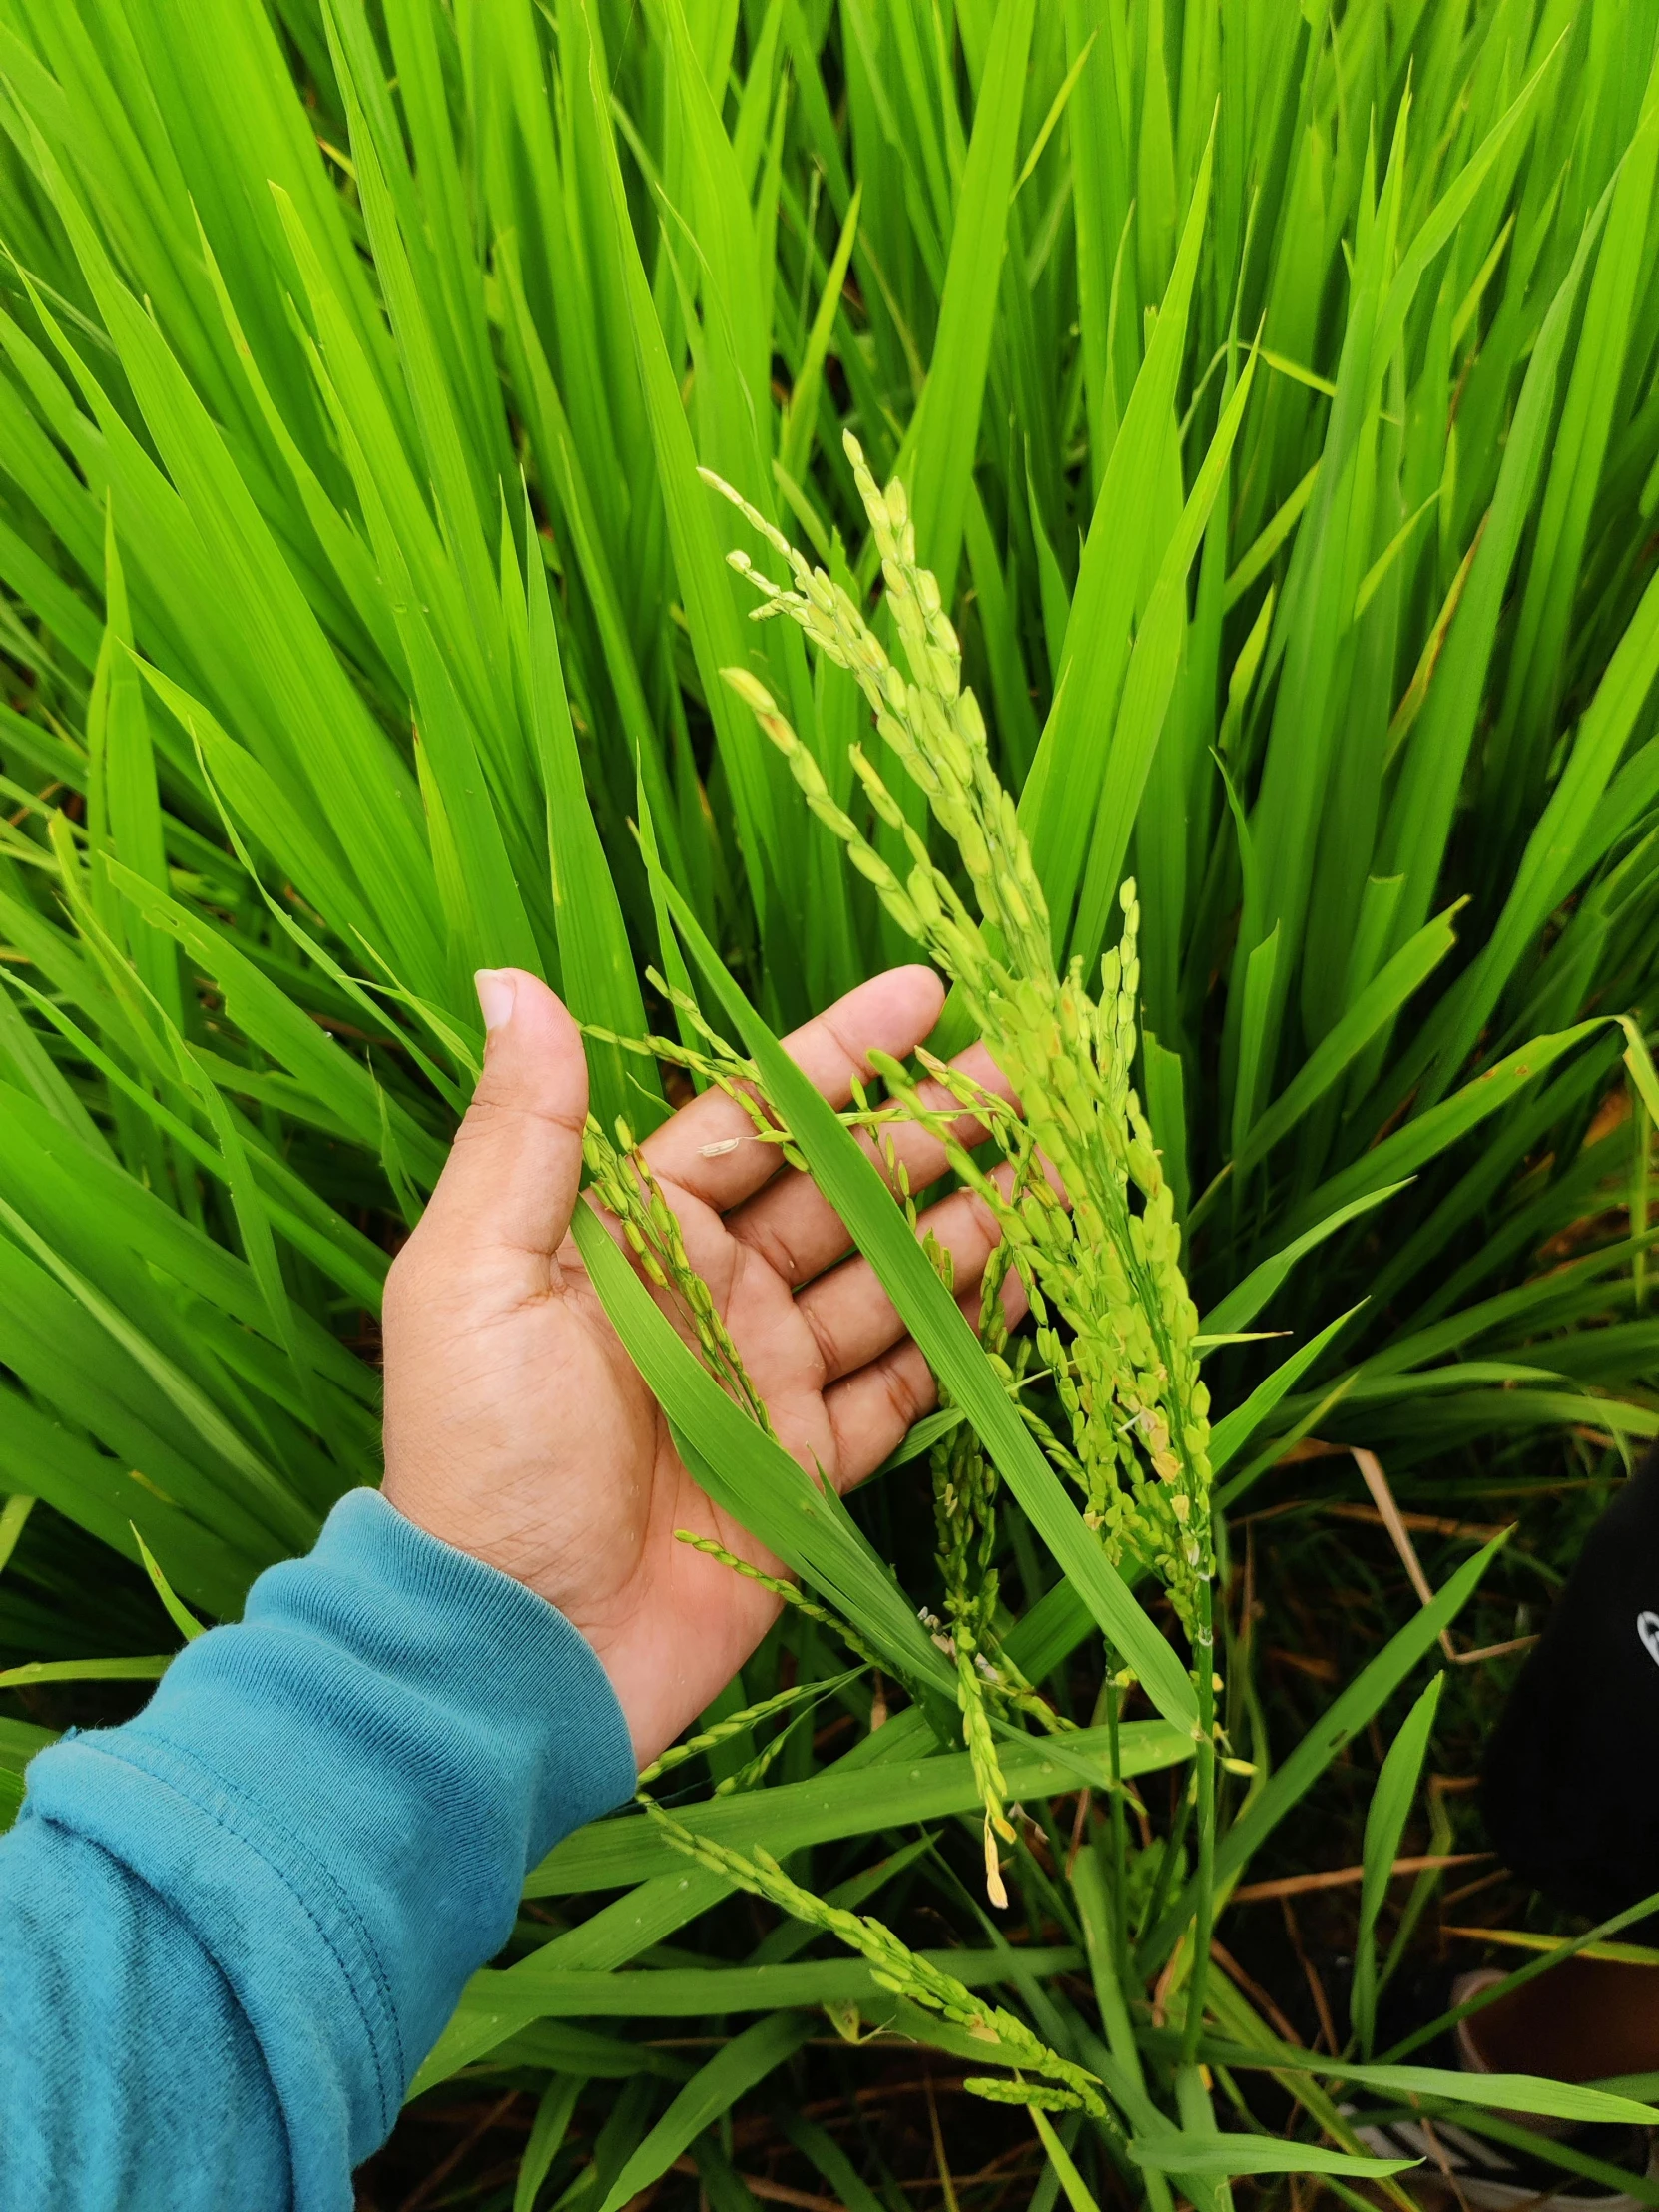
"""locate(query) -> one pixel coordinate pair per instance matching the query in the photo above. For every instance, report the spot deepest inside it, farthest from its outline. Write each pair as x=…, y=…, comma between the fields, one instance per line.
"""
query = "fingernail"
x=498, y=989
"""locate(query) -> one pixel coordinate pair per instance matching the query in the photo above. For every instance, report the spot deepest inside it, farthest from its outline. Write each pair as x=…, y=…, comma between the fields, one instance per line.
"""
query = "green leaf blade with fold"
x=601, y=983
x=863, y=1202
x=1391, y=1806
x=749, y=1475
x=936, y=460
x=738, y=2068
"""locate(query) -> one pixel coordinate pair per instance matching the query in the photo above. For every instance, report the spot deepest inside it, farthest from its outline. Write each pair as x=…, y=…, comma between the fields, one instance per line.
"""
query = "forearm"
x=129, y=2075
x=235, y=1925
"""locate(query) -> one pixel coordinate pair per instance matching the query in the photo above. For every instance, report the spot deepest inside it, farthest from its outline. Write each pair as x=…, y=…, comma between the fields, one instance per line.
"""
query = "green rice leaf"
x=847, y=1801
x=1256, y=2154
x=731, y=2073
x=750, y=1475
x=863, y=1202
x=1365, y=1696
x=1391, y=1806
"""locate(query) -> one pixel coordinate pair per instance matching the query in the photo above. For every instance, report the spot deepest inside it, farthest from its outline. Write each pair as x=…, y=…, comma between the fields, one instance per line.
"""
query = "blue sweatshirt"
x=231, y=1931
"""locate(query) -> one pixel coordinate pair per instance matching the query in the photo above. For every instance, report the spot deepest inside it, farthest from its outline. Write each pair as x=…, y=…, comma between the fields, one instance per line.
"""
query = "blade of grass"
x=863, y=1201
x=1391, y=1806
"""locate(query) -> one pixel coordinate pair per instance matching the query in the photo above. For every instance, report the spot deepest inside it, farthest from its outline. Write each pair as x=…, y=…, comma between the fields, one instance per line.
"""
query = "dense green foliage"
x=1277, y=395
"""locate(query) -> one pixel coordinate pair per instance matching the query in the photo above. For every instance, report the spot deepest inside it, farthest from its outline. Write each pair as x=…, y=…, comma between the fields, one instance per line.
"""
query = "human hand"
x=517, y=1428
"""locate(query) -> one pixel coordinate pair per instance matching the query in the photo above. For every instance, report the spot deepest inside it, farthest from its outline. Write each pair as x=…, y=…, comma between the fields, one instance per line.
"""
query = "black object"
x=1570, y=1789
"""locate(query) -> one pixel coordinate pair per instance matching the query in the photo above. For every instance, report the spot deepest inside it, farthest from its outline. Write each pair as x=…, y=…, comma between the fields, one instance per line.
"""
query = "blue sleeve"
x=231, y=1931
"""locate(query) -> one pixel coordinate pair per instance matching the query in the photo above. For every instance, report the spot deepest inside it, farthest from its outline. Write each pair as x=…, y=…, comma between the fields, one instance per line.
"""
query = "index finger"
x=696, y=1151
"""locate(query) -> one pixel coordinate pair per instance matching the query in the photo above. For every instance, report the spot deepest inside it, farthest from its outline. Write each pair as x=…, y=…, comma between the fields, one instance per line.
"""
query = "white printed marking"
x=1647, y=1628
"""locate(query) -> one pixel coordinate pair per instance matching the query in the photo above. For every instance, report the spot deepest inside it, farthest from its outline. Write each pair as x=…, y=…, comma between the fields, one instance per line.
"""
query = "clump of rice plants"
x=1198, y=466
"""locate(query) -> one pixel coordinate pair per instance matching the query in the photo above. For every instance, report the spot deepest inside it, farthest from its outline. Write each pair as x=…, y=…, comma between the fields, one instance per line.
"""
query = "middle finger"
x=852, y=1319
x=794, y=1228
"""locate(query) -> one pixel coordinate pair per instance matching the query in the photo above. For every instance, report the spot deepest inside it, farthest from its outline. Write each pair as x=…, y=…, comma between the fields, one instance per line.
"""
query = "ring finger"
x=792, y=1226
x=852, y=1319
x=871, y=1410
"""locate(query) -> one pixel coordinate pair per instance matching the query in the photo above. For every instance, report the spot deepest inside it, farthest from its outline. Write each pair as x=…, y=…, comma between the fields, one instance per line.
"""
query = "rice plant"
x=1195, y=466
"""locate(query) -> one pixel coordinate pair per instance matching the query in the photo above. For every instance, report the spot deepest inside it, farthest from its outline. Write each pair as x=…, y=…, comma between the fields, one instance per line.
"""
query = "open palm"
x=518, y=1429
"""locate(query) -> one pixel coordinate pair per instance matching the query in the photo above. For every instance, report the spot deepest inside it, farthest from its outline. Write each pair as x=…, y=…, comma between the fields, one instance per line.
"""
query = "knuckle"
x=768, y=1245
x=908, y=1396
x=983, y=1219
x=826, y=1352
x=496, y=1102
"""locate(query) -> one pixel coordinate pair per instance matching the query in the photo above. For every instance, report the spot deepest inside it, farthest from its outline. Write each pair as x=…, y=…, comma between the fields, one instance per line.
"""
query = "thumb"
x=513, y=1173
